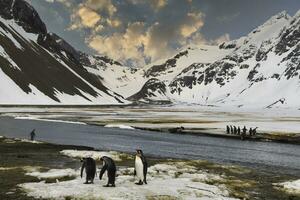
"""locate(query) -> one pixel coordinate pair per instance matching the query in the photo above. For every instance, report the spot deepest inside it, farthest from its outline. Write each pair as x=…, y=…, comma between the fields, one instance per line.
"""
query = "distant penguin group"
x=89, y=164
x=233, y=130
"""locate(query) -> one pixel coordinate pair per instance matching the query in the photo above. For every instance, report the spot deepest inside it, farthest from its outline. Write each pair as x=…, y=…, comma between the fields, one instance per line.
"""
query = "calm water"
x=273, y=157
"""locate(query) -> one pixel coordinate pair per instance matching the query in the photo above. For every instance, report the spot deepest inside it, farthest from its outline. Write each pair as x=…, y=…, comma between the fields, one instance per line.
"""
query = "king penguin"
x=141, y=167
x=110, y=166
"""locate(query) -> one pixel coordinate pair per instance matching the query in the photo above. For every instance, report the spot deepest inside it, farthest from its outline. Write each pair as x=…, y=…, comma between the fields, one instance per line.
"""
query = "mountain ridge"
x=260, y=69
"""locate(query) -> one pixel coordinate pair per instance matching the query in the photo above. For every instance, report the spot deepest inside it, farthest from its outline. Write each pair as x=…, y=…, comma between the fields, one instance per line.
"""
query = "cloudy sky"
x=137, y=32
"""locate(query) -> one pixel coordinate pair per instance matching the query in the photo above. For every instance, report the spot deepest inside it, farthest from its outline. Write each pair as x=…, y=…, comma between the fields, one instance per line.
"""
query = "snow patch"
x=31, y=141
x=121, y=126
x=7, y=168
x=53, y=173
x=161, y=182
x=290, y=186
x=6, y=56
x=48, y=120
x=93, y=154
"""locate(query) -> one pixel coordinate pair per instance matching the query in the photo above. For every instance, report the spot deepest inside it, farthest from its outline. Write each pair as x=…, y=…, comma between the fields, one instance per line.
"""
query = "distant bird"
x=244, y=132
x=235, y=130
x=250, y=131
x=254, y=131
x=32, y=135
x=227, y=129
x=231, y=129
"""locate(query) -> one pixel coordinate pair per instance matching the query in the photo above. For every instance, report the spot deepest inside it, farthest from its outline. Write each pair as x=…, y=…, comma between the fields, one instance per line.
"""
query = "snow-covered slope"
x=261, y=69
x=37, y=67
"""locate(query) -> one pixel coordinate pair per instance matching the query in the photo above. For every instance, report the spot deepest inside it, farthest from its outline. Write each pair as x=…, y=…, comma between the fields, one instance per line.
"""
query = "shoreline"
x=240, y=181
x=263, y=137
x=287, y=138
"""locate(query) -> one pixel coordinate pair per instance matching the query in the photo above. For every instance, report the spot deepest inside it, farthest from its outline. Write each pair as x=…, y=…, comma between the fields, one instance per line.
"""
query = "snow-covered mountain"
x=261, y=69
x=36, y=67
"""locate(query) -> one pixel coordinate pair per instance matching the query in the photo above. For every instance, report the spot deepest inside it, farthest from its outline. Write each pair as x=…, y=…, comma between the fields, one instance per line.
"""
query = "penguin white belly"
x=139, y=168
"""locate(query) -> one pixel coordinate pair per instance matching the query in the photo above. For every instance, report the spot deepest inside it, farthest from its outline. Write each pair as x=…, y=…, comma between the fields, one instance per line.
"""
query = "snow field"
x=290, y=186
x=169, y=180
x=93, y=154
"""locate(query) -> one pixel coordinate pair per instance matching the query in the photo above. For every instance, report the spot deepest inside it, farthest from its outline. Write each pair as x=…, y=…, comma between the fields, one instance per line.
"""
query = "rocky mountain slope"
x=261, y=69
x=37, y=67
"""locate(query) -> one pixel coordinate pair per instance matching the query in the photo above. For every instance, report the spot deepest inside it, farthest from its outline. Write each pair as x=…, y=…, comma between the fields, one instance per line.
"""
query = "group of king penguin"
x=89, y=164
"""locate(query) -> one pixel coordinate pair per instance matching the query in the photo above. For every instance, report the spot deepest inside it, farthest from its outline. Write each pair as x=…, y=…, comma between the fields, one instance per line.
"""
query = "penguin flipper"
x=82, y=168
x=145, y=169
x=104, y=168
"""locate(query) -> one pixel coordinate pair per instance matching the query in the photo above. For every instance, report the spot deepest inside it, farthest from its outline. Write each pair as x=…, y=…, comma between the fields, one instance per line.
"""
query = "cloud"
x=139, y=43
x=194, y=22
x=88, y=17
x=138, y=31
x=155, y=4
x=94, y=14
x=228, y=18
x=221, y=39
x=122, y=46
x=158, y=4
x=67, y=3
x=114, y=22
x=102, y=6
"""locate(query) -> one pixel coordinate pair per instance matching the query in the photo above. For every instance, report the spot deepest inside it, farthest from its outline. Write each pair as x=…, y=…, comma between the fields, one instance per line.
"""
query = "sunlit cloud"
x=88, y=18
x=112, y=32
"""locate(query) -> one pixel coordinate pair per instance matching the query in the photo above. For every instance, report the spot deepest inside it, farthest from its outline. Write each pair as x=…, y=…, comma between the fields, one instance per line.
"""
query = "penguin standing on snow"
x=32, y=135
x=89, y=165
x=239, y=131
x=227, y=129
x=254, y=131
x=109, y=165
x=141, y=167
x=231, y=129
x=234, y=130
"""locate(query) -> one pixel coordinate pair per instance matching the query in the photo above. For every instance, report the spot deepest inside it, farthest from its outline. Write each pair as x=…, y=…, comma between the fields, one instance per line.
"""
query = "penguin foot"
x=139, y=183
x=145, y=182
x=106, y=185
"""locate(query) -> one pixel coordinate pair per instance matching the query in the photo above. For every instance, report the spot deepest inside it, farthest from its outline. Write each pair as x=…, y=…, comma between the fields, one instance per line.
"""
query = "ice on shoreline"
x=290, y=186
x=121, y=126
x=164, y=180
x=48, y=120
x=14, y=140
x=53, y=173
x=29, y=141
x=93, y=154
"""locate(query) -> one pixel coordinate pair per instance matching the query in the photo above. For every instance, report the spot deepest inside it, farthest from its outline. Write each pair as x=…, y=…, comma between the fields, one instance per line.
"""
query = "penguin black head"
x=139, y=152
x=83, y=159
x=103, y=158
